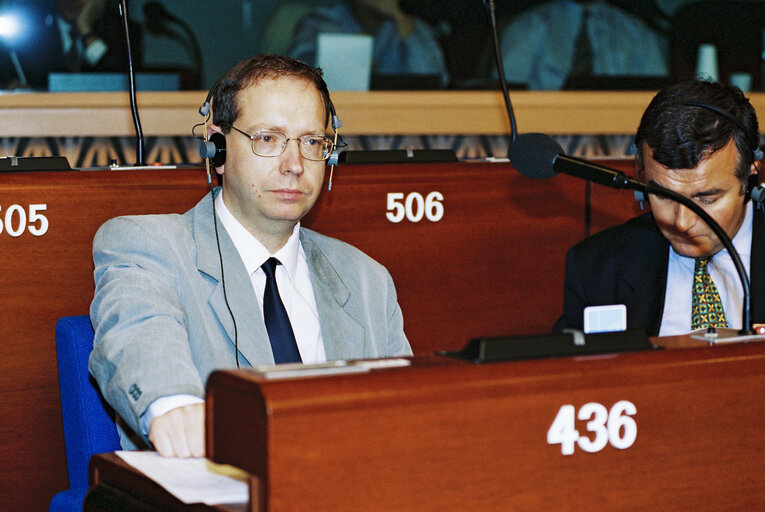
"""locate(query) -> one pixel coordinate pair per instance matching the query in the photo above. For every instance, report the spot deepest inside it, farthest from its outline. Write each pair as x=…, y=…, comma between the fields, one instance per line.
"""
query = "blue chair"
x=89, y=426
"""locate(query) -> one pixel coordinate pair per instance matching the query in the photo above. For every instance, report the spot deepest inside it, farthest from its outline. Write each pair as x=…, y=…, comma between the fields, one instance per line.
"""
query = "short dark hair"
x=680, y=134
x=225, y=92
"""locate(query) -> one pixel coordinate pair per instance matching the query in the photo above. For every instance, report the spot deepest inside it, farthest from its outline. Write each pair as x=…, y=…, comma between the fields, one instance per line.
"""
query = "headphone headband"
x=758, y=155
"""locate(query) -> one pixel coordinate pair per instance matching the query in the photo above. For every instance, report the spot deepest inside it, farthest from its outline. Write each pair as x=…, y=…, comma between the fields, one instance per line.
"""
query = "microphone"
x=538, y=156
x=131, y=81
x=490, y=8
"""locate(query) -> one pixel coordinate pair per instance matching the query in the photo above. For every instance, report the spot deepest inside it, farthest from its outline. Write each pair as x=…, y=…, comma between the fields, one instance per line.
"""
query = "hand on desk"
x=180, y=432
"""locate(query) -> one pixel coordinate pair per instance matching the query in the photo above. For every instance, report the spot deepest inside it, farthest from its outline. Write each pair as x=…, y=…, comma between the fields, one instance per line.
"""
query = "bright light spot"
x=9, y=26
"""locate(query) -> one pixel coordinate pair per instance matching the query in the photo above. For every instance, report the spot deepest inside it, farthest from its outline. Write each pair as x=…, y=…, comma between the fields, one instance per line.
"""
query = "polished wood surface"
x=493, y=265
x=47, y=277
x=106, y=114
x=450, y=435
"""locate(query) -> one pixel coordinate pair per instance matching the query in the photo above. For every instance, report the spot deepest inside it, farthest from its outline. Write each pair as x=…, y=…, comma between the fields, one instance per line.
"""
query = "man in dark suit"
x=66, y=36
x=699, y=139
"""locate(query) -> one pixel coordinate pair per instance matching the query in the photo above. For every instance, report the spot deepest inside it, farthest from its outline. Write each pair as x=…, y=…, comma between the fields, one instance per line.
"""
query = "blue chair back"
x=89, y=426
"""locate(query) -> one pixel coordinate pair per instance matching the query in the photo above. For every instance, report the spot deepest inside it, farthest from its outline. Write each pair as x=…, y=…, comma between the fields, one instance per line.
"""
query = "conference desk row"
x=475, y=249
x=673, y=428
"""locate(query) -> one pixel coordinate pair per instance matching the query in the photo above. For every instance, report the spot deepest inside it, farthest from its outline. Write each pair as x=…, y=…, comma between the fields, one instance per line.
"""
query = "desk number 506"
x=414, y=207
x=616, y=427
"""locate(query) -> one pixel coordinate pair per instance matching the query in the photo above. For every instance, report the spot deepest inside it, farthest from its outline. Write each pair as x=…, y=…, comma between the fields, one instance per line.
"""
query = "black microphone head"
x=533, y=155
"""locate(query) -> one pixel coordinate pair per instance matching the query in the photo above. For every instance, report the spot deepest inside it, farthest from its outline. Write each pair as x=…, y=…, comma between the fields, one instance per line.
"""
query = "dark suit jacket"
x=627, y=264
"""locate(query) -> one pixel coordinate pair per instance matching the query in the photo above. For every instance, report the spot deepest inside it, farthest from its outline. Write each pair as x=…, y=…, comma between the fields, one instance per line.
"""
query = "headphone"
x=213, y=148
x=754, y=190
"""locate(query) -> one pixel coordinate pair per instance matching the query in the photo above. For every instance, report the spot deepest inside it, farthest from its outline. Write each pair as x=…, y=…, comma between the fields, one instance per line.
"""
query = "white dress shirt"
x=292, y=279
x=677, y=300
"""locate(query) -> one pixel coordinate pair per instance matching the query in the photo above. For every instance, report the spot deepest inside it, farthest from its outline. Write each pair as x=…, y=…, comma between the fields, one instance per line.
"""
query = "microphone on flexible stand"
x=539, y=156
x=131, y=80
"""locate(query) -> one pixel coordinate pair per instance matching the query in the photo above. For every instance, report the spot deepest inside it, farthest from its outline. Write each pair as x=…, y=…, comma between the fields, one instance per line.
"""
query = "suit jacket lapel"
x=249, y=332
x=644, y=278
x=344, y=337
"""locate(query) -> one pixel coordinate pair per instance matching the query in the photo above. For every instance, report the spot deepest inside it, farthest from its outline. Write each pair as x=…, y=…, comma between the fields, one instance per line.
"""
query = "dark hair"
x=680, y=134
x=225, y=92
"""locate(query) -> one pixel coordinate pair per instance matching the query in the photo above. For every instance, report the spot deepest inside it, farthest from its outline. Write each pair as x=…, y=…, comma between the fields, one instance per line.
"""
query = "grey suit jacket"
x=162, y=323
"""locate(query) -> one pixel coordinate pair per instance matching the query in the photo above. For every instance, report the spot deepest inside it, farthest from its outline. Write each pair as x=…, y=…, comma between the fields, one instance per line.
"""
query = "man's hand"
x=180, y=432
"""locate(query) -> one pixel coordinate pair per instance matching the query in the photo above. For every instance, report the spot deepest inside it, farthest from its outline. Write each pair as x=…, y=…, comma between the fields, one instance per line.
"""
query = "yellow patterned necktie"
x=707, y=309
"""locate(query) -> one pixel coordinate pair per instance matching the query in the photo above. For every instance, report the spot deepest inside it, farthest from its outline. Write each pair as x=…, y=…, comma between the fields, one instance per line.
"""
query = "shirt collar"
x=251, y=250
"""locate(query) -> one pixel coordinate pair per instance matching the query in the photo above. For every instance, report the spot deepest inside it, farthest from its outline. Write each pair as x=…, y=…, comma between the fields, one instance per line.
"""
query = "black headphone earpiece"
x=334, y=157
x=754, y=190
x=214, y=148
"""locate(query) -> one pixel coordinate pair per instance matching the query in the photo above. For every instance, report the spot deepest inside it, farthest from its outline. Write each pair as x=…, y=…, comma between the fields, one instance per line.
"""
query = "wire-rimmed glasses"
x=268, y=143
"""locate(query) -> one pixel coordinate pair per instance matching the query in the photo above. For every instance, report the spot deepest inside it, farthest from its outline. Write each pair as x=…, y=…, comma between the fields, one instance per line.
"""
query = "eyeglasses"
x=268, y=144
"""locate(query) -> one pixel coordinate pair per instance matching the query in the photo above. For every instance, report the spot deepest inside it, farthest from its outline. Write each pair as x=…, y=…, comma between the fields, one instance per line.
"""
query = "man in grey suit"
x=178, y=296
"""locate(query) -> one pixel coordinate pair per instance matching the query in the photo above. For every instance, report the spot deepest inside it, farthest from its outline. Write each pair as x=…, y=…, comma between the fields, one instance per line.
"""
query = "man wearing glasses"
x=178, y=296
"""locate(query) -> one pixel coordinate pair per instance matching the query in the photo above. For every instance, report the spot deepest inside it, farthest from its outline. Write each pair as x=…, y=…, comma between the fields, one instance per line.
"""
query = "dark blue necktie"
x=278, y=325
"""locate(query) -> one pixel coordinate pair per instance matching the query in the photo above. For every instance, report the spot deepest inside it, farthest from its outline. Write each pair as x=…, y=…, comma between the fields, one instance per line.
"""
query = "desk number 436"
x=615, y=426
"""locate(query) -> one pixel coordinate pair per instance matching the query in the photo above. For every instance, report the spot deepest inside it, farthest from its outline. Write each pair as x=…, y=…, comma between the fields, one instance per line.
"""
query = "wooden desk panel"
x=445, y=435
x=47, y=277
x=511, y=231
x=492, y=265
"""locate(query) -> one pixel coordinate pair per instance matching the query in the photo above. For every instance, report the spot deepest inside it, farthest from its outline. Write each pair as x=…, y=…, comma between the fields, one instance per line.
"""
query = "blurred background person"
x=403, y=44
x=548, y=46
x=65, y=36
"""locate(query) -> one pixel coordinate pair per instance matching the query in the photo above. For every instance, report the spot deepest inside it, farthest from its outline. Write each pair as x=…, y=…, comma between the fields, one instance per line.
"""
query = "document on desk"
x=192, y=480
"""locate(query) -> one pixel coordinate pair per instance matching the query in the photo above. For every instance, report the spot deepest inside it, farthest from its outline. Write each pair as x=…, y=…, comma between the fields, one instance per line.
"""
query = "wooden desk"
x=492, y=265
x=444, y=435
x=450, y=435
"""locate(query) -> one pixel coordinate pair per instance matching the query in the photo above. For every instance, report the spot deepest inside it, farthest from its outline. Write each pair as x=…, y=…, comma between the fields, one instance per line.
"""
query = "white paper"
x=192, y=480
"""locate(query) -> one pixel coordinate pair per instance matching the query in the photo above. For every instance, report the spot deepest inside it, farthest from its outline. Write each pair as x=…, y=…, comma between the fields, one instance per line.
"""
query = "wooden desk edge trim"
x=363, y=113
